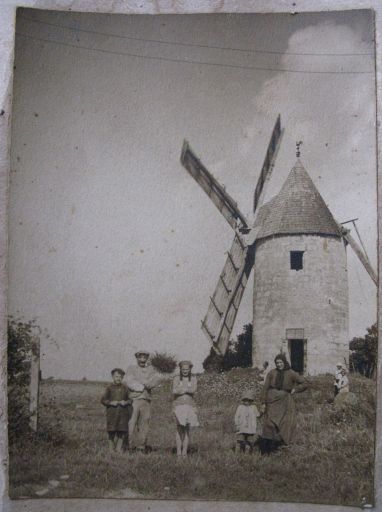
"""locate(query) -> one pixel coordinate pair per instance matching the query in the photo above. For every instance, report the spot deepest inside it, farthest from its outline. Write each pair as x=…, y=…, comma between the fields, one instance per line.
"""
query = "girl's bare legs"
x=186, y=440
x=111, y=436
x=179, y=439
x=119, y=442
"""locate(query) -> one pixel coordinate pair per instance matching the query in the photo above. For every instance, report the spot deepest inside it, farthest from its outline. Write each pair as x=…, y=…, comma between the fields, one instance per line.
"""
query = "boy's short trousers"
x=249, y=438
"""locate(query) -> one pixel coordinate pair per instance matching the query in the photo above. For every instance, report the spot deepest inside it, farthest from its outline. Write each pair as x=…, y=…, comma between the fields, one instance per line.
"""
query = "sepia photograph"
x=192, y=295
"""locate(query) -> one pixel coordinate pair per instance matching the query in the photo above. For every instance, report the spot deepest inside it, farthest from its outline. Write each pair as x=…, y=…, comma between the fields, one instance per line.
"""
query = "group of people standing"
x=128, y=407
x=277, y=409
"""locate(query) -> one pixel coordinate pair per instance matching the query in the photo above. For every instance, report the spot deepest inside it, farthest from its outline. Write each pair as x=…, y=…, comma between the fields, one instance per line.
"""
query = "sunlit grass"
x=331, y=461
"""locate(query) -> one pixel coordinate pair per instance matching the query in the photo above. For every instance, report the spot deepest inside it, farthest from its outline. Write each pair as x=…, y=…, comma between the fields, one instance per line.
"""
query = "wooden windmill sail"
x=225, y=301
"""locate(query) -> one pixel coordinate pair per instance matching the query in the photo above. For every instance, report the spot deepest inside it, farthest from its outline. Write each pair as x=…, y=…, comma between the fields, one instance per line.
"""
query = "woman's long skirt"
x=280, y=416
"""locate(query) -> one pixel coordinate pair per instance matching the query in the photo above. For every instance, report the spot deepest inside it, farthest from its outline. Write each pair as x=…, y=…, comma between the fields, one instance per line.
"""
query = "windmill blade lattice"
x=216, y=192
x=269, y=162
x=224, y=304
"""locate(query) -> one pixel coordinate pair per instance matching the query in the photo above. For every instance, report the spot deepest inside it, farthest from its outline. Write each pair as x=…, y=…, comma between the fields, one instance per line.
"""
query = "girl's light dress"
x=343, y=386
x=184, y=403
x=246, y=419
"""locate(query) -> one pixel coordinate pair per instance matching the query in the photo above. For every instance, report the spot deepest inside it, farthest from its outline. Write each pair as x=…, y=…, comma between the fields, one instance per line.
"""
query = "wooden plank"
x=229, y=316
x=224, y=284
x=216, y=192
x=361, y=256
x=207, y=332
x=217, y=309
x=232, y=261
x=34, y=384
x=268, y=164
x=360, y=240
x=223, y=291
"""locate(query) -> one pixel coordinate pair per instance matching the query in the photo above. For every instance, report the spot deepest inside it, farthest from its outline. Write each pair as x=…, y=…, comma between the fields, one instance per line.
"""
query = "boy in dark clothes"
x=117, y=403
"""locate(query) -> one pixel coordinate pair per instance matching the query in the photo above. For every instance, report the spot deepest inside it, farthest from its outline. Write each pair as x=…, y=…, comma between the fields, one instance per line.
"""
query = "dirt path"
x=124, y=493
x=65, y=487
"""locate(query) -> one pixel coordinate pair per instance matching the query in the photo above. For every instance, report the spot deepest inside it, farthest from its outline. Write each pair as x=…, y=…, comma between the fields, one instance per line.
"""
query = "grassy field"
x=331, y=461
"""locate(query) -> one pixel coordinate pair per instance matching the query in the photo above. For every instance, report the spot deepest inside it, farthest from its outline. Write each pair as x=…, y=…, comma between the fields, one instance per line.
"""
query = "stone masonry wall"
x=314, y=299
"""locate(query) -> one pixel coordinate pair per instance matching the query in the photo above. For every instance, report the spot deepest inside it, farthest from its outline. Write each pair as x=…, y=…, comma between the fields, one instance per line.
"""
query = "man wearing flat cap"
x=141, y=379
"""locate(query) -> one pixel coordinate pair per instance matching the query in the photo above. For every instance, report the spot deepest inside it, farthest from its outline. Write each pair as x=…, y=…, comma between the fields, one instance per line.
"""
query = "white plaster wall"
x=314, y=299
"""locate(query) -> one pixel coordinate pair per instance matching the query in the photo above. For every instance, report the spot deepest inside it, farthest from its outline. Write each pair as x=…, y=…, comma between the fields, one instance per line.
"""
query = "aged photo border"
x=7, y=36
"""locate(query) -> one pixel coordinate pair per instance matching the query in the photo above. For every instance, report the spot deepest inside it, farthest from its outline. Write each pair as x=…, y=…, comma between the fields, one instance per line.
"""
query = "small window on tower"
x=296, y=260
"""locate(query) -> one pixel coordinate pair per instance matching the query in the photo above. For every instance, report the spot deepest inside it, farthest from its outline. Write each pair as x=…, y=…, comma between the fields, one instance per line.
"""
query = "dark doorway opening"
x=296, y=351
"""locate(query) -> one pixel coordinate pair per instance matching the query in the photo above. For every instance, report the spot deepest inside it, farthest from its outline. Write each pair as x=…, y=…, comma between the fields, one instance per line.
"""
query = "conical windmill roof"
x=297, y=209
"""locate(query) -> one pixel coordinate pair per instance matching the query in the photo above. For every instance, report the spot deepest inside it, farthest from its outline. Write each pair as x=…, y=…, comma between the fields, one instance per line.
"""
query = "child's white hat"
x=248, y=395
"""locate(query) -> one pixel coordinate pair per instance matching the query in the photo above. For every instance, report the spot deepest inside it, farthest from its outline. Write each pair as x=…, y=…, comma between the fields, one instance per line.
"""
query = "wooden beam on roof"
x=361, y=256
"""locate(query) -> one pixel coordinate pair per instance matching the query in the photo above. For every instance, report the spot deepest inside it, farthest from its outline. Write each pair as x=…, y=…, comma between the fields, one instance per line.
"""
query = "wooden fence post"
x=34, y=384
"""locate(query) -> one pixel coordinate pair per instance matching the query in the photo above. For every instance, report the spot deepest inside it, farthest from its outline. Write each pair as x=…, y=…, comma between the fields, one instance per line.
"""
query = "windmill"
x=304, y=313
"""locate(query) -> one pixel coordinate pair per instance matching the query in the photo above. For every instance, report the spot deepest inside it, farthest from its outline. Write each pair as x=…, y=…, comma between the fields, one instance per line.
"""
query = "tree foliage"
x=163, y=362
x=21, y=345
x=22, y=338
x=363, y=352
x=213, y=362
x=238, y=354
x=23, y=341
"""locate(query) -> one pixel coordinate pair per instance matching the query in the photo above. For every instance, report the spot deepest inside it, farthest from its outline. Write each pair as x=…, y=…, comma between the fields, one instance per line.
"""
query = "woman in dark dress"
x=278, y=403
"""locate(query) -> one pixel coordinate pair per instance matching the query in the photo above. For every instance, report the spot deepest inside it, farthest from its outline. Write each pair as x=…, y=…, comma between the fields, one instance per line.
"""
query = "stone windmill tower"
x=301, y=288
x=298, y=251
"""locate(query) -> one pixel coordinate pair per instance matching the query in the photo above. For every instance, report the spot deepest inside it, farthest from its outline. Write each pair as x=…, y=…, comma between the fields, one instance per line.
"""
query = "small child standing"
x=246, y=422
x=183, y=389
x=337, y=378
x=117, y=403
x=343, y=385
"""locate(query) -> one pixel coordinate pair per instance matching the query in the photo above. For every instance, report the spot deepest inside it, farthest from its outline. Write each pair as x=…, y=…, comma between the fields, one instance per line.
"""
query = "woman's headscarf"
x=280, y=373
x=284, y=360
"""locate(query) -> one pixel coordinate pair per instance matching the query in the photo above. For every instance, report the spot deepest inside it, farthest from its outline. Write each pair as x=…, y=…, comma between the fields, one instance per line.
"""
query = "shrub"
x=18, y=412
x=163, y=362
x=213, y=362
x=21, y=344
x=21, y=341
x=363, y=356
x=238, y=354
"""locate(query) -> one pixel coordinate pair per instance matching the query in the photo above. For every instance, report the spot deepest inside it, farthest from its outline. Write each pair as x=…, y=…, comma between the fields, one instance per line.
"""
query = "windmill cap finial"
x=298, y=152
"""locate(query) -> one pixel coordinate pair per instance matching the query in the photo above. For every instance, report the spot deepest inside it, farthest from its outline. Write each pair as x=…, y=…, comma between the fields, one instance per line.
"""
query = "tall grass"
x=330, y=462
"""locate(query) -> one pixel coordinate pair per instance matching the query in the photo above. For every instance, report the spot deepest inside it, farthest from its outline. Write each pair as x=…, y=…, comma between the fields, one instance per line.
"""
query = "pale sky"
x=113, y=246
